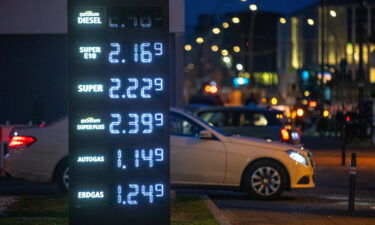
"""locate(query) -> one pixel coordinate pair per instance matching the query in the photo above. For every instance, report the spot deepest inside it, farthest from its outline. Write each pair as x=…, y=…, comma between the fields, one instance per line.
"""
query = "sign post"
x=118, y=112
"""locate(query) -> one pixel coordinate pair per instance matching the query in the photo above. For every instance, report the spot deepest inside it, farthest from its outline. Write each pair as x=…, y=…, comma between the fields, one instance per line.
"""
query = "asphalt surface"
x=326, y=204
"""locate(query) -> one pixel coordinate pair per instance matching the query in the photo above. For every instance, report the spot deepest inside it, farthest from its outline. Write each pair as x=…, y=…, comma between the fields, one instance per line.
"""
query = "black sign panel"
x=119, y=106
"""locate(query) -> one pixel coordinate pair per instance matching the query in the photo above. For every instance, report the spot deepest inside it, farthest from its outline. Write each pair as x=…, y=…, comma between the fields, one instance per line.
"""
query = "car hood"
x=268, y=144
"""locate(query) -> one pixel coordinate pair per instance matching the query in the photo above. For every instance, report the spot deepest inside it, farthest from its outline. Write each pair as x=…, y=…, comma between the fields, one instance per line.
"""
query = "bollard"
x=352, y=182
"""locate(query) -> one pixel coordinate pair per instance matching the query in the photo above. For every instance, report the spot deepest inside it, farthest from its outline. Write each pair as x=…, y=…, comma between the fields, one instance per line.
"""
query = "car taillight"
x=21, y=141
x=285, y=134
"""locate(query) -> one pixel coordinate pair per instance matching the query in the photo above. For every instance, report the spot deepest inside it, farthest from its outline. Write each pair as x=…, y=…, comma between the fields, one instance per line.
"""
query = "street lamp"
x=253, y=7
x=239, y=67
x=333, y=13
x=199, y=40
x=282, y=20
x=216, y=30
x=236, y=49
x=214, y=48
x=311, y=22
x=188, y=48
x=224, y=52
x=236, y=20
x=225, y=25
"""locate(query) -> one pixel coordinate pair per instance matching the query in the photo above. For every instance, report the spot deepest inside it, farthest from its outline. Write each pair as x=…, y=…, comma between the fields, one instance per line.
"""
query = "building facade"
x=319, y=51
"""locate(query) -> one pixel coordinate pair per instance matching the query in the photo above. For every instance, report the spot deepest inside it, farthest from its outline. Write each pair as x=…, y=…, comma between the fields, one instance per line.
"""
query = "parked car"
x=252, y=122
x=200, y=155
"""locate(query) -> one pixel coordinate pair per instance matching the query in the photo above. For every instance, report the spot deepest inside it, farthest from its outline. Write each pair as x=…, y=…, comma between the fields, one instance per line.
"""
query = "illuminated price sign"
x=119, y=107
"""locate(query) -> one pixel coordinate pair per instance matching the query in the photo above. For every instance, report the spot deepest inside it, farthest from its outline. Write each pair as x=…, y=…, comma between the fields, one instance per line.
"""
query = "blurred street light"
x=225, y=25
x=333, y=13
x=274, y=101
x=282, y=20
x=199, y=40
x=311, y=22
x=224, y=52
x=326, y=113
x=216, y=30
x=226, y=59
x=243, y=0
x=236, y=20
x=236, y=49
x=188, y=48
x=214, y=48
x=239, y=67
x=253, y=7
x=307, y=93
x=300, y=112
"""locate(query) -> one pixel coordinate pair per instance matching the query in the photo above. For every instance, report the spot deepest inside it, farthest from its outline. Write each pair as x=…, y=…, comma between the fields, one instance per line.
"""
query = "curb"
x=215, y=210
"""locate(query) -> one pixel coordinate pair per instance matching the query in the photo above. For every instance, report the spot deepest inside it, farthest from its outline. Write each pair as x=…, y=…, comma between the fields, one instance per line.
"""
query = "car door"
x=193, y=160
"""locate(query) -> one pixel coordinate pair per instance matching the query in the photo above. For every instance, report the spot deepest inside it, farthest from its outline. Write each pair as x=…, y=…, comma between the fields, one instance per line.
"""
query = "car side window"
x=217, y=119
x=183, y=127
x=253, y=120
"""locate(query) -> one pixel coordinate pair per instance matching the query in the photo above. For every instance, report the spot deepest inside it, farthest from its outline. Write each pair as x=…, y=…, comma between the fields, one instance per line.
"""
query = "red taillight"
x=21, y=141
x=285, y=134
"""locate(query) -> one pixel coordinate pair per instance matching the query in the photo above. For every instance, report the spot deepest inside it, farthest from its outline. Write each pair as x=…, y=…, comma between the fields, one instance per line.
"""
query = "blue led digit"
x=160, y=119
x=114, y=53
x=131, y=88
x=159, y=153
x=149, y=194
x=158, y=49
x=132, y=194
x=159, y=189
x=136, y=54
x=159, y=84
x=112, y=125
x=136, y=159
x=135, y=21
x=146, y=56
x=146, y=120
x=117, y=87
x=146, y=88
x=145, y=22
x=134, y=123
x=111, y=23
x=120, y=160
x=119, y=194
x=149, y=157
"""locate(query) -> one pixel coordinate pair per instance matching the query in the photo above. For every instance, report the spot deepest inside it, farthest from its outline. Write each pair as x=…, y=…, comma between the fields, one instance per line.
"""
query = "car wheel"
x=265, y=180
x=62, y=176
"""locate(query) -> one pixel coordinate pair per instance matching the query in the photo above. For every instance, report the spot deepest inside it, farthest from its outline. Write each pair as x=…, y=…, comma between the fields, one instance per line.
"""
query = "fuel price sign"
x=119, y=107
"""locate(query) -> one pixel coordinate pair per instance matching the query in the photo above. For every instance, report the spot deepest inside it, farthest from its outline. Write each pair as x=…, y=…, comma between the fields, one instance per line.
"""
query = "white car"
x=200, y=155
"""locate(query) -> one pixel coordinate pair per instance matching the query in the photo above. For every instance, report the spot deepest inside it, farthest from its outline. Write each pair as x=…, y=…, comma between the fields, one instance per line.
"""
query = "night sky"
x=196, y=7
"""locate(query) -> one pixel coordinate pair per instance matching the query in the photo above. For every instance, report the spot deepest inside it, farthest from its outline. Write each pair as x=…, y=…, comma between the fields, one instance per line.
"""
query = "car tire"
x=265, y=180
x=62, y=176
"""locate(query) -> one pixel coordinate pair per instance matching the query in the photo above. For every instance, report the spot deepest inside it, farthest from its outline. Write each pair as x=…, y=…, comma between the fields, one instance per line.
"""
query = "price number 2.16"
x=144, y=52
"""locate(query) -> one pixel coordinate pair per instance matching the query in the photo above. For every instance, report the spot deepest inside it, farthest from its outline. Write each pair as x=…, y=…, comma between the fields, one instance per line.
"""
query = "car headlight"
x=297, y=157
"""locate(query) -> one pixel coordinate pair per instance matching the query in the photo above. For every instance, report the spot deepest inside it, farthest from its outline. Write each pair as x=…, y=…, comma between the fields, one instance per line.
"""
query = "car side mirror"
x=205, y=134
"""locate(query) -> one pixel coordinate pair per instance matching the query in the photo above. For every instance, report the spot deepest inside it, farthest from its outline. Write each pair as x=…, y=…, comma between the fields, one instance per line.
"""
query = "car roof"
x=237, y=108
